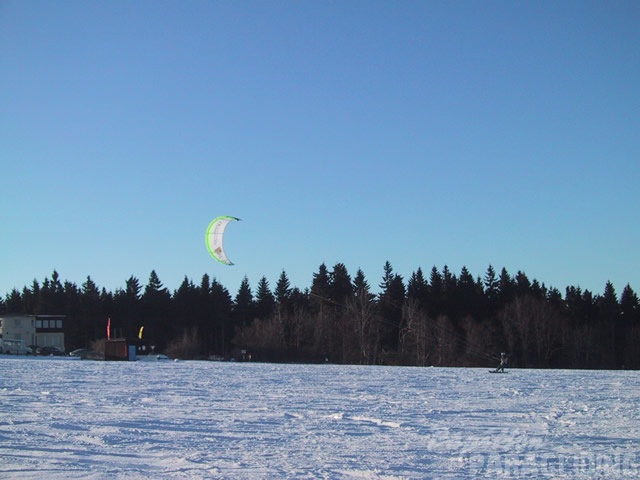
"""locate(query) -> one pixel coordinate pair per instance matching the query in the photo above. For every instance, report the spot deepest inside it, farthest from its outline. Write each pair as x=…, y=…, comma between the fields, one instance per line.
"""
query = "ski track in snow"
x=67, y=419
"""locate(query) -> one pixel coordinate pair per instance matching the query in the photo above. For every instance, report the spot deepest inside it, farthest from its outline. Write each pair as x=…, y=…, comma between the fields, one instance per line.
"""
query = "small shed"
x=116, y=349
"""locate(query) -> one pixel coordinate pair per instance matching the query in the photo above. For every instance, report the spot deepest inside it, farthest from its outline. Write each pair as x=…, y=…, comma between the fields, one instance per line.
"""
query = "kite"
x=214, y=237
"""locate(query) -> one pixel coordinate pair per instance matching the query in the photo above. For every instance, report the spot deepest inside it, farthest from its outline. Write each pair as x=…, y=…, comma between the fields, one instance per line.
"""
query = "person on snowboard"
x=503, y=361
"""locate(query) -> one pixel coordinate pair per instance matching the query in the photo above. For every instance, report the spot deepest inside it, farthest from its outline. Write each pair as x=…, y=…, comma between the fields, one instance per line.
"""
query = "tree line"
x=439, y=319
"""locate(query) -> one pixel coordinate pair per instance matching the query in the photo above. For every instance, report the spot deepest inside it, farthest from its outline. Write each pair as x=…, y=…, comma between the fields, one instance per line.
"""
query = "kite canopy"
x=214, y=237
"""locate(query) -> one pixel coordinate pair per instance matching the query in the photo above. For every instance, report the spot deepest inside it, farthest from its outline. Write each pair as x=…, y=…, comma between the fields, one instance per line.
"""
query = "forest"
x=435, y=319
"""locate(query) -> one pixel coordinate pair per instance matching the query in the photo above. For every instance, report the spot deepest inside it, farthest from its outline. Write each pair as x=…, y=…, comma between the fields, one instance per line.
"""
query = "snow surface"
x=65, y=419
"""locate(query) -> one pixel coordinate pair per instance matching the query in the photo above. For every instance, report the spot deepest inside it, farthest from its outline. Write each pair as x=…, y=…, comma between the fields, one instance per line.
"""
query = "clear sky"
x=459, y=133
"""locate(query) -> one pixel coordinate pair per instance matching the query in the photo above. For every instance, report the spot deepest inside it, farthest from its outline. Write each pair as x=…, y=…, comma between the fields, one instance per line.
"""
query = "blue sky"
x=421, y=133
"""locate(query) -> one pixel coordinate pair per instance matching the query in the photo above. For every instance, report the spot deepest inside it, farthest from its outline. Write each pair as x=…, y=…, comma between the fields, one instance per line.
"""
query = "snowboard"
x=496, y=371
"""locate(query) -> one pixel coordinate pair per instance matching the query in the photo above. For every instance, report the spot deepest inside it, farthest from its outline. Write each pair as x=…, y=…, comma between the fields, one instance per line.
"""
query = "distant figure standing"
x=503, y=362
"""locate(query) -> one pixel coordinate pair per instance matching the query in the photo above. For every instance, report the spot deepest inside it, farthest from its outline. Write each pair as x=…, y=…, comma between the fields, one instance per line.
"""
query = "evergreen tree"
x=284, y=309
x=90, y=291
x=418, y=289
x=506, y=288
x=206, y=318
x=108, y=305
x=490, y=283
x=283, y=289
x=185, y=305
x=301, y=336
x=340, y=287
x=540, y=292
x=361, y=286
x=92, y=319
x=608, y=304
x=157, y=312
x=609, y=310
x=13, y=302
x=223, y=323
x=321, y=309
x=391, y=302
x=320, y=286
x=491, y=292
x=71, y=300
x=30, y=297
x=127, y=308
x=468, y=296
x=436, y=300
x=574, y=305
x=629, y=306
x=243, y=309
x=205, y=285
x=630, y=329
x=363, y=325
x=51, y=296
x=449, y=291
x=522, y=283
x=553, y=296
x=133, y=289
x=265, y=301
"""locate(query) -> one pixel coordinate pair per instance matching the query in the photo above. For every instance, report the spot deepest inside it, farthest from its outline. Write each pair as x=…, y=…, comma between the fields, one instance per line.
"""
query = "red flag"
x=109, y=328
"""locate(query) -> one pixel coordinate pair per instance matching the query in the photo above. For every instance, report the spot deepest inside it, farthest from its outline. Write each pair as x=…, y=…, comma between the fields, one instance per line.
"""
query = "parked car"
x=79, y=352
x=50, y=351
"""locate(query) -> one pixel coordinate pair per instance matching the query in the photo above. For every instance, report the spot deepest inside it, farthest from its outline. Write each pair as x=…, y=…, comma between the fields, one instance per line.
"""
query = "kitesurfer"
x=503, y=361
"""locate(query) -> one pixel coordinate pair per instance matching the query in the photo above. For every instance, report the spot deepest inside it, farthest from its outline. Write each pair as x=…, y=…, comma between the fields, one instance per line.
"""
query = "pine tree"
x=133, y=288
x=206, y=317
x=608, y=304
x=340, y=287
x=418, y=289
x=468, y=296
x=491, y=292
x=128, y=307
x=436, y=296
x=13, y=302
x=506, y=288
x=320, y=285
x=156, y=302
x=265, y=301
x=283, y=289
x=92, y=313
x=609, y=310
x=391, y=302
x=321, y=309
x=185, y=303
x=523, y=285
x=284, y=311
x=222, y=325
x=363, y=322
x=243, y=310
x=629, y=306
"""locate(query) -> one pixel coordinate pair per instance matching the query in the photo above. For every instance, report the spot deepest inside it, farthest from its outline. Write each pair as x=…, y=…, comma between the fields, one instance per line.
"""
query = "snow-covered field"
x=63, y=419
